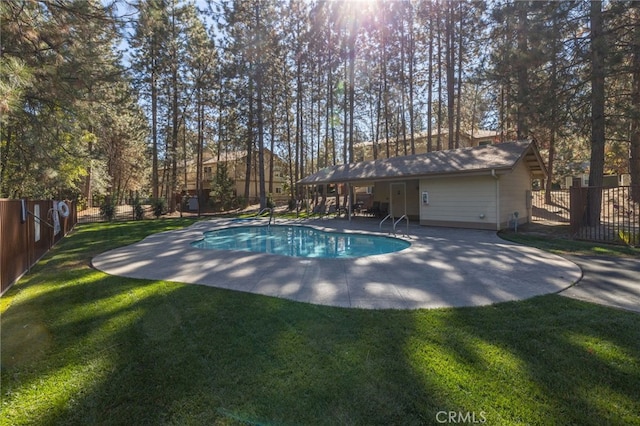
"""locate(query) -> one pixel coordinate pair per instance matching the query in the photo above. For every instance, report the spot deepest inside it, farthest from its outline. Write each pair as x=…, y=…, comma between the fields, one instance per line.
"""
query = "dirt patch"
x=544, y=229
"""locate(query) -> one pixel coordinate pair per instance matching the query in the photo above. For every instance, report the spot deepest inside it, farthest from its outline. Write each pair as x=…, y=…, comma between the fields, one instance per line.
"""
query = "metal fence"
x=28, y=229
x=619, y=220
x=120, y=212
x=555, y=209
x=96, y=212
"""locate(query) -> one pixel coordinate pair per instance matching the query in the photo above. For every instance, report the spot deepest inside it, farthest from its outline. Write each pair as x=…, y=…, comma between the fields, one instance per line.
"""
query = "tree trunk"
x=200, y=153
x=430, y=86
x=352, y=90
x=248, y=163
x=598, y=52
x=459, y=94
x=292, y=182
x=450, y=61
x=411, y=58
x=439, y=35
x=259, y=88
x=553, y=118
x=634, y=137
x=155, y=181
x=522, y=73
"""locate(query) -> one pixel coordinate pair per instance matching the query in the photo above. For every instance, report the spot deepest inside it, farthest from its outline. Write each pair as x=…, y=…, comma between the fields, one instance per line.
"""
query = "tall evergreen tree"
x=598, y=50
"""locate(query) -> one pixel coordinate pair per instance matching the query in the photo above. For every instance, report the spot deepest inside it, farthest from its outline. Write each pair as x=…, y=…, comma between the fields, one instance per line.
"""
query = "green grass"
x=83, y=347
x=566, y=246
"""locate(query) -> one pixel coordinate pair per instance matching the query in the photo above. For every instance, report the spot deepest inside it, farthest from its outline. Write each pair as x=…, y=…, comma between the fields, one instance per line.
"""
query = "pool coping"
x=324, y=243
x=443, y=267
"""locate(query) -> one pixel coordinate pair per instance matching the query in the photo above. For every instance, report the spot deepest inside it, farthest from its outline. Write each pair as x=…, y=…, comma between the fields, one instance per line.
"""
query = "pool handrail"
x=270, y=210
x=385, y=218
x=395, y=222
x=404, y=216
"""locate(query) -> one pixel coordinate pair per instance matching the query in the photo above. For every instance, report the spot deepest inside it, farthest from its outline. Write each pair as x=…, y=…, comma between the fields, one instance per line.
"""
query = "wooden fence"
x=27, y=232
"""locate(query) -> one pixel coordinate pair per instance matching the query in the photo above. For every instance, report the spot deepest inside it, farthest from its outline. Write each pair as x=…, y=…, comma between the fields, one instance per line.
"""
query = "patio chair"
x=384, y=209
x=320, y=210
x=374, y=210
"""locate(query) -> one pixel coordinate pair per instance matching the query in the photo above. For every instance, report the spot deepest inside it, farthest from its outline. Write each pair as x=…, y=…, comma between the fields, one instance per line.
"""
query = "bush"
x=108, y=209
x=291, y=204
x=240, y=202
x=159, y=206
x=222, y=188
x=81, y=203
x=629, y=238
x=138, y=210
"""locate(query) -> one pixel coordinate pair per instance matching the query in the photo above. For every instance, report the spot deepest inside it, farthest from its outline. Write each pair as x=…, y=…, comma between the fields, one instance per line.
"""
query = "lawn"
x=83, y=347
x=562, y=246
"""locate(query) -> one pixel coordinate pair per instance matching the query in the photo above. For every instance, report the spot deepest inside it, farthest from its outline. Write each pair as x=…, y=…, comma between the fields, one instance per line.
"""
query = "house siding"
x=382, y=194
x=471, y=187
x=513, y=191
x=236, y=170
x=468, y=202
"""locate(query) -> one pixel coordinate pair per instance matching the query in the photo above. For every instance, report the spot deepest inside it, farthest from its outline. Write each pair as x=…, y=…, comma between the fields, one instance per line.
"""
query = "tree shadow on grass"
x=562, y=361
x=170, y=353
x=157, y=352
x=112, y=350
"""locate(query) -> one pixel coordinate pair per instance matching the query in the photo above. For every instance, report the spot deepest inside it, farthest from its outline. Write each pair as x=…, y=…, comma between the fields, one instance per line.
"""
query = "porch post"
x=349, y=201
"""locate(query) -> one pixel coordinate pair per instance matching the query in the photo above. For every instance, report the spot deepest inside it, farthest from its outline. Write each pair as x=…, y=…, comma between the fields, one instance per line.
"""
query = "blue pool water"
x=298, y=241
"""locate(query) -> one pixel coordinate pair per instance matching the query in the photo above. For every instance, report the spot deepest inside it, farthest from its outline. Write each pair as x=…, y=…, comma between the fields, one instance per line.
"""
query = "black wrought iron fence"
x=619, y=220
x=105, y=213
x=556, y=207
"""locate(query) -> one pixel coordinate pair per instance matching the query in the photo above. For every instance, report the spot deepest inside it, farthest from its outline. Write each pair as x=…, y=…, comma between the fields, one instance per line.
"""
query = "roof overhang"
x=477, y=161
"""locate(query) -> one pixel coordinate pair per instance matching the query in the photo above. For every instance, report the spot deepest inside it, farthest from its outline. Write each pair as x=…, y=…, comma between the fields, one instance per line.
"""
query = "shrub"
x=138, y=209
x=222, y=188
x=629, y=238
x=159, y=206
x=240, y=202
x=108, y=209
x=82, y=203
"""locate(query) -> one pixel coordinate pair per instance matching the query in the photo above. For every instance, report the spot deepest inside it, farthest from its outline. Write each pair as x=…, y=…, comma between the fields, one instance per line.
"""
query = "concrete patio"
x=443, y=267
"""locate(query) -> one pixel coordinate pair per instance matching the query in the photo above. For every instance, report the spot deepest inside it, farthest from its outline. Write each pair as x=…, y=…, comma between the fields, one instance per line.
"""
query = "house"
x=364, y=150
x=482, y=187
x=236, y=164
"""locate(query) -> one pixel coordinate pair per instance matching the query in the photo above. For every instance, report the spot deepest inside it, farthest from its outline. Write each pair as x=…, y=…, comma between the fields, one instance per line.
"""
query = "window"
x=278, y=190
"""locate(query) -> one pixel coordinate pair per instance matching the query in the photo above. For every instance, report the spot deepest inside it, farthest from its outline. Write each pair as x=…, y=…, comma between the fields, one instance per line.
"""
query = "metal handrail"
x=385, y=218
x=404, y=216
x=270, y=210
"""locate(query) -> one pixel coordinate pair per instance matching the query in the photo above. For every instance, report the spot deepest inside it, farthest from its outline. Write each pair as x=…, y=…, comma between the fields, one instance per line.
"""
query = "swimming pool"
x=299, y=241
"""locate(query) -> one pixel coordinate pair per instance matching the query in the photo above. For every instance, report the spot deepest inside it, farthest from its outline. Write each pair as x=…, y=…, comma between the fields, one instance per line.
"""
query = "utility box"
x=193, y=204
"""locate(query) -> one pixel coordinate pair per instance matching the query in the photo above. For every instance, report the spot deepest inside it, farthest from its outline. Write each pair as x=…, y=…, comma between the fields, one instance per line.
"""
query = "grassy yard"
x=566, y=246
x=83, y=347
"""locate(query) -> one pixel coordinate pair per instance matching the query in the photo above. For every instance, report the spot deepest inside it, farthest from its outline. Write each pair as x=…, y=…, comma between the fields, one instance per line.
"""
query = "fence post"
x=577, y=207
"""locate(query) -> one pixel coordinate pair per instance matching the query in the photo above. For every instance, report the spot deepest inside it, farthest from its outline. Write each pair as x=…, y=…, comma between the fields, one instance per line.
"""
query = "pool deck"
x=444, y=267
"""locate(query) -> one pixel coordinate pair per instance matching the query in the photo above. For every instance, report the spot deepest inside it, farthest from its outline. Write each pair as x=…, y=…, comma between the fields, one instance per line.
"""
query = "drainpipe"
x=497, y=179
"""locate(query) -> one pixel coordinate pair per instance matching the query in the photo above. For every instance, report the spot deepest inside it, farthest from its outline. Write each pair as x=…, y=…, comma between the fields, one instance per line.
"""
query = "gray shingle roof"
x=499, y=157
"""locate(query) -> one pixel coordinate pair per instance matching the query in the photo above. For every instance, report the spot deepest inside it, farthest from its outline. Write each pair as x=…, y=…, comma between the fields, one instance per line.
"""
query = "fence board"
x=19, y=249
